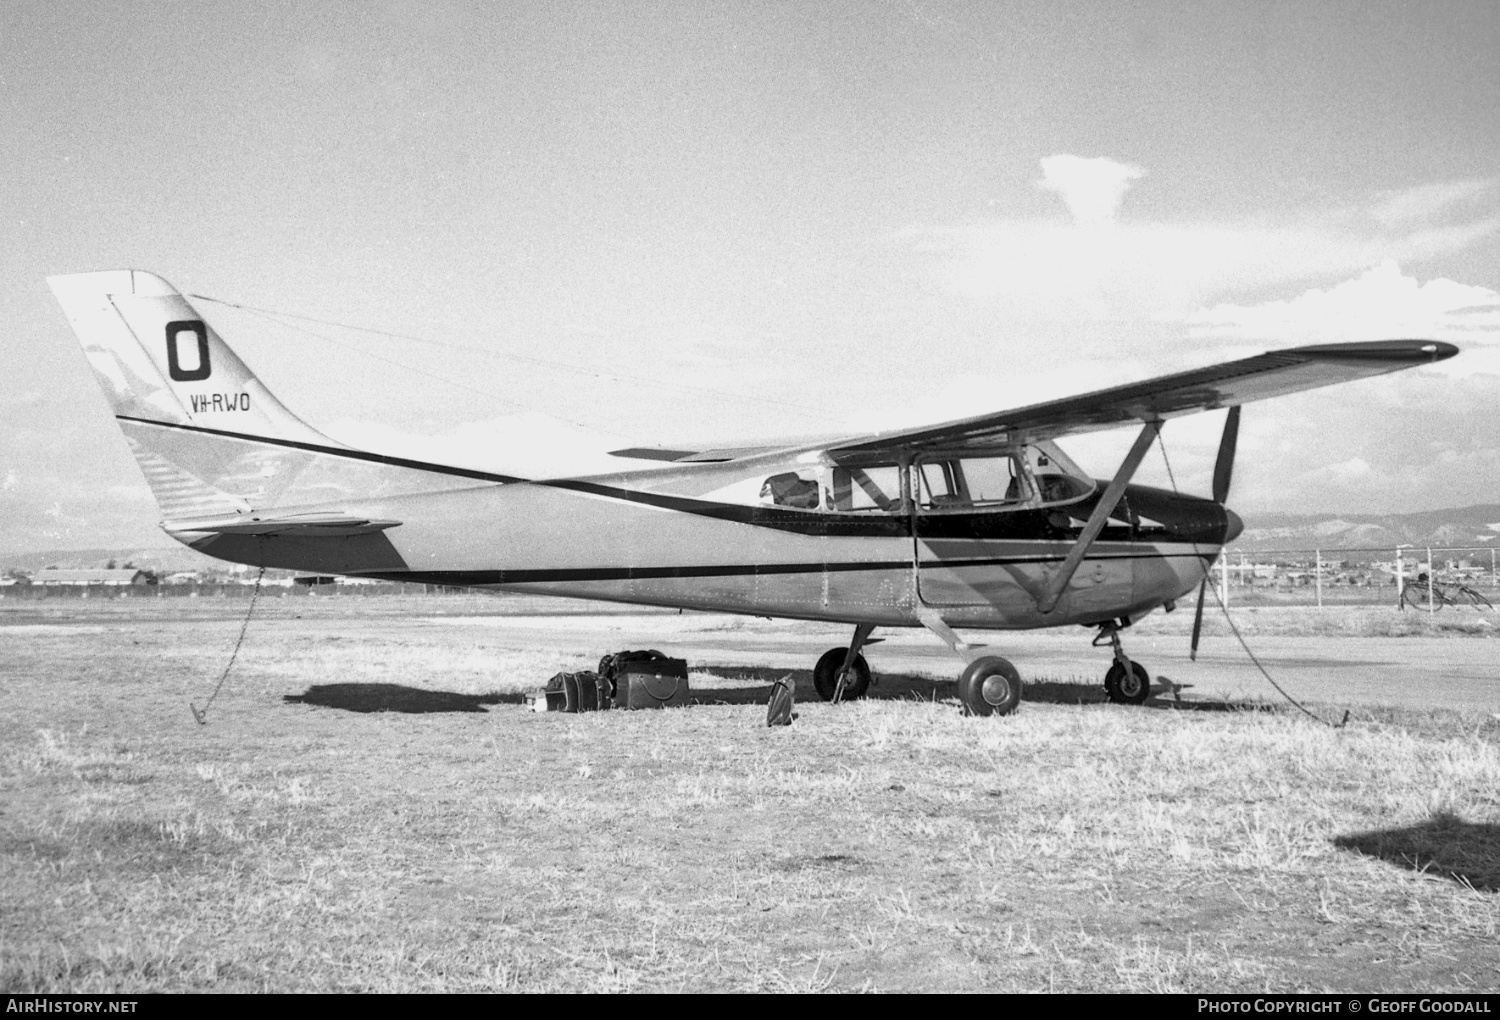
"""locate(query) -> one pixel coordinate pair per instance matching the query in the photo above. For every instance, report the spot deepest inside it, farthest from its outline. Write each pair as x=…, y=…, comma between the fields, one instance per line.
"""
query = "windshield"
x=1058, y=479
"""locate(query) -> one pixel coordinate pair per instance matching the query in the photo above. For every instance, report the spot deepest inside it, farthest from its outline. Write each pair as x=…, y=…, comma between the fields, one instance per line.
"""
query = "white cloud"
x=1426, y=201
x=1143, y=297
x=1381, y=303
x=1349, y=471
x=1092, y=188
x=1097, y=269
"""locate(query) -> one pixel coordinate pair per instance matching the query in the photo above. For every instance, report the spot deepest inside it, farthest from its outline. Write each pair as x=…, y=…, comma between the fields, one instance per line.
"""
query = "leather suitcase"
x=657, y=683
x=577, y=692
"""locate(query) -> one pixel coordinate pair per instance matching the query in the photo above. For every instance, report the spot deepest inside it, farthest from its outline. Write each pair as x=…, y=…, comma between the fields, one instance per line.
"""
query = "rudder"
x=178, y=391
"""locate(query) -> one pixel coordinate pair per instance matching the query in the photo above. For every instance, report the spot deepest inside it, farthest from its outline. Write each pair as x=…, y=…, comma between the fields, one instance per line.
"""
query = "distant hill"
x=1472, y=526
x=165, y=559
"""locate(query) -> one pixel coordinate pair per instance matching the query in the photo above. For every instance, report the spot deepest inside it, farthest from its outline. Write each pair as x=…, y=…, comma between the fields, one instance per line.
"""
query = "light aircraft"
x=981, y=523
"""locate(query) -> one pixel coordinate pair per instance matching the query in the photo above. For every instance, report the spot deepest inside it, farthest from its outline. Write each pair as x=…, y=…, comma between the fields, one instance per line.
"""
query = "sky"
x=552, y=226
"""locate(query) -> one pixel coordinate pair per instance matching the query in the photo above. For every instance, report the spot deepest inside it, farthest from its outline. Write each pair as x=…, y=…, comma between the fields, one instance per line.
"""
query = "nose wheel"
x=1126, y=682
x=1130, y=686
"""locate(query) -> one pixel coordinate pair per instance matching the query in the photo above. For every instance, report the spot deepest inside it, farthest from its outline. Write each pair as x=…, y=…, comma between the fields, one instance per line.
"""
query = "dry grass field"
x=371, y=807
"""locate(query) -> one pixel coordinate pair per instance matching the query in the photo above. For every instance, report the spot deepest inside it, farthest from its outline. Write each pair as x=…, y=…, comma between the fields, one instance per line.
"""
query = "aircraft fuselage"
x=686, y=536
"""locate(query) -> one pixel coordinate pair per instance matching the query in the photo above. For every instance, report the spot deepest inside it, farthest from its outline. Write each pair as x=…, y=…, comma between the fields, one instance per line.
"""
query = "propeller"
x=1224, y=466
x=1223, y=472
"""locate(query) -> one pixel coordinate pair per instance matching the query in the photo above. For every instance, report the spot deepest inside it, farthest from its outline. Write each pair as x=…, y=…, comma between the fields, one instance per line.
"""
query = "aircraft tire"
x=989, y=685
x=825, y=675
x=1123, y=690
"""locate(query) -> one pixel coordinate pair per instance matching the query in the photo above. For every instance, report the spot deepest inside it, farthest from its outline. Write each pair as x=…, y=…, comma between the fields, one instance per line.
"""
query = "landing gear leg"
x=842, y=673
x=1126, y=682
x=989, y=685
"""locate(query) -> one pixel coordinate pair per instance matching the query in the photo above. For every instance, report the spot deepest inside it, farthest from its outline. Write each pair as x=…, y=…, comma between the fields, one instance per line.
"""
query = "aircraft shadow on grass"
x=907, y=687
x=1466, y=852
x=396, y=698
x=380, y=697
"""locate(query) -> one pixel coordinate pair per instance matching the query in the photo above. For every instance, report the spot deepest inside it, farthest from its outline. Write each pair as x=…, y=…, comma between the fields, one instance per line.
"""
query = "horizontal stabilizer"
x=321, y=525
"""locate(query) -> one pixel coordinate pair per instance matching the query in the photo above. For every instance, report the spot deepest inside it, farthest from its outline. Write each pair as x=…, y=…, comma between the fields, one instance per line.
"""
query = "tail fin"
x=179, y=392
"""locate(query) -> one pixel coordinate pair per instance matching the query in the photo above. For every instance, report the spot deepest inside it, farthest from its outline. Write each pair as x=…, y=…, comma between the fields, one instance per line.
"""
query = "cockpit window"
x=970, y=482
x=1061, y=488
x=1058, y=479
x=874, y=488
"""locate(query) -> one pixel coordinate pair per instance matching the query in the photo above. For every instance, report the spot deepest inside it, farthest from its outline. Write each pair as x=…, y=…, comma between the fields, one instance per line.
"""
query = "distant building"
x=66, y=577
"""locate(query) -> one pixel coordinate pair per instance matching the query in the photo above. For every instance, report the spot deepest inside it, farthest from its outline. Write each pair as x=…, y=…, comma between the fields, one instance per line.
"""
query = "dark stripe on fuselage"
x=1189, y=519
x=470, y=578
x=477, y=578
x=335, y=451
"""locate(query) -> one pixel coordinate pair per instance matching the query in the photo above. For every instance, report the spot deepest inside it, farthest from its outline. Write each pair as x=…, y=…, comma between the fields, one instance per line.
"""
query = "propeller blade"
x=1224, y=466
x=1198, y=620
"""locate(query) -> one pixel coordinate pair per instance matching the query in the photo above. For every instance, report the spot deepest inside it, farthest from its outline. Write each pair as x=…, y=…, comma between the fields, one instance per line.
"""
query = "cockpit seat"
x=788, y=489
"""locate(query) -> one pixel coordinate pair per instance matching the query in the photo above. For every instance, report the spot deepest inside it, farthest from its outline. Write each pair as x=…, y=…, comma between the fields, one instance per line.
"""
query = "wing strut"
x=1102, y=510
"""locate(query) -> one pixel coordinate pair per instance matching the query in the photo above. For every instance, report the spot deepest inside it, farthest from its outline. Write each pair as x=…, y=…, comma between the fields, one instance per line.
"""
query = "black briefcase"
x=652, y=683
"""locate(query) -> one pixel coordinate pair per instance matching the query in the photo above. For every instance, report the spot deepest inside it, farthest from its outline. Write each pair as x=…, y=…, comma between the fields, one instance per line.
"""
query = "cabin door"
x=969, y=515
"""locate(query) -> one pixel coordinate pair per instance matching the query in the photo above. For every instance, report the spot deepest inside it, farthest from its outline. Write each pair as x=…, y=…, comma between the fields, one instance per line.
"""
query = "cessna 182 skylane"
x=979, y=523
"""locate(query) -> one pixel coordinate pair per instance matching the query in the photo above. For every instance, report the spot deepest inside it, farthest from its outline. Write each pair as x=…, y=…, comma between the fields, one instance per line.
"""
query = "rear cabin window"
x=874, y=488
x=967, y=483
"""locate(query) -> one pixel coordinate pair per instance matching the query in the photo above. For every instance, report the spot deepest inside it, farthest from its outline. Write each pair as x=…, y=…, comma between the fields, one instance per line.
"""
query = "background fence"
x=1320, y=576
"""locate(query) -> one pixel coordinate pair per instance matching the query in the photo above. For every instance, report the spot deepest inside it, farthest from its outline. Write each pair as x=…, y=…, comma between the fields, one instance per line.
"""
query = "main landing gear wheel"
x=826, y=675
x=989, y=685
x=1127, y=690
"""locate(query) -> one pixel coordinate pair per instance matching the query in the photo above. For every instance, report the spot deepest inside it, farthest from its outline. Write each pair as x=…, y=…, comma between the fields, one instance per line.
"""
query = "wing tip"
x=1412, y=351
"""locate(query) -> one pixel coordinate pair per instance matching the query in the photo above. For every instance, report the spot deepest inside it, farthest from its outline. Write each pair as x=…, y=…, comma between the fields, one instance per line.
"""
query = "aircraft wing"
x=1272, y=374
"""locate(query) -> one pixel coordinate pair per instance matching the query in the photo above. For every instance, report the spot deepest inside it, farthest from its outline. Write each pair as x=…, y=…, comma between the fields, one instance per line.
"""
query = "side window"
x=790, y=489
x=874, y=488
x=968, y=483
